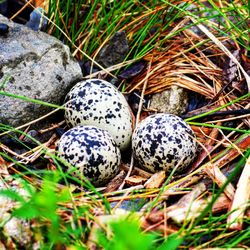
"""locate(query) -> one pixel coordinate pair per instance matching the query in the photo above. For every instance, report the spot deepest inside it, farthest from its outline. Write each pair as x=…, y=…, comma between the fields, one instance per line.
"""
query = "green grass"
x=95, y=22
x=146, y=25
x=62, y=217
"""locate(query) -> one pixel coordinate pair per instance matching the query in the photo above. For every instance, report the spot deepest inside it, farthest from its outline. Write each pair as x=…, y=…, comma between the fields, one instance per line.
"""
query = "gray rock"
x=172, y=101
x=37, y=66
x=114, y=51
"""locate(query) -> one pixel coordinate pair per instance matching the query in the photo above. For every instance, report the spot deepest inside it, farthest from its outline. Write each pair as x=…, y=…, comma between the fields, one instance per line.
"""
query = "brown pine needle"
x=224, y=49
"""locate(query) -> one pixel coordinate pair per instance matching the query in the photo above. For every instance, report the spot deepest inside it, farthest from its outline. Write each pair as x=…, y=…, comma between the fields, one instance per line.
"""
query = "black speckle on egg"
x=98, y=103
x=162, y=141
x=92, y=151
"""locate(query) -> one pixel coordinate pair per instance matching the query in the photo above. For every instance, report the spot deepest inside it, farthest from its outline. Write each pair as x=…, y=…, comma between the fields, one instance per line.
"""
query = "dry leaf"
x=135, y=180
x=156, y=180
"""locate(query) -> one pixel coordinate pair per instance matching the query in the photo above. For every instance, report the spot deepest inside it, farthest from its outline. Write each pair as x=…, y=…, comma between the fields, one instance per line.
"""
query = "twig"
x=30, y=123
x=241, y=199
x=42, y=131
x=5, y=148
x=230, y=118
x=19, y=11
x=186, y=183
x=158, y=227
x=116, y=182
x=110, y=69
x=210, y=149
x=233, y=153
x=188, y=207
x=220, y=113
x=219, y=178
x=138, y=119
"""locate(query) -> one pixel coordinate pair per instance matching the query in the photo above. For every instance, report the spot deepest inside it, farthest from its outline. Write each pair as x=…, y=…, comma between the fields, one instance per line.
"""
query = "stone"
x=19, y=230
x=114, y=51
x=173, y=101
x=37, y=20
x=36, y=65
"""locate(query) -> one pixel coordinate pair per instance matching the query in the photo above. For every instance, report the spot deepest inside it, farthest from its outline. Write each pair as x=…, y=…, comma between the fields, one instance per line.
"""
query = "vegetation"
x=187, y=43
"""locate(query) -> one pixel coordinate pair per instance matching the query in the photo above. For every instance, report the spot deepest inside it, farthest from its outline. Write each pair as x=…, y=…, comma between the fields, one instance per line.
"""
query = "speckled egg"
x=92, y=151
x=98, y=103
x=162, y=141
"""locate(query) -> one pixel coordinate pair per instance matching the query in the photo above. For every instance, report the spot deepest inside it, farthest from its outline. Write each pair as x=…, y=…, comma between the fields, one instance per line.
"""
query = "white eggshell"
x=98, y=103
x=162, y=141
x=91, y=151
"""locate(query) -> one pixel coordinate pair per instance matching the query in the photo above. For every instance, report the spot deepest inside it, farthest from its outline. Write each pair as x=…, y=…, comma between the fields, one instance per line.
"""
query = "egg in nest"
x=98, y=103
x=162, y=142
x=91, y=151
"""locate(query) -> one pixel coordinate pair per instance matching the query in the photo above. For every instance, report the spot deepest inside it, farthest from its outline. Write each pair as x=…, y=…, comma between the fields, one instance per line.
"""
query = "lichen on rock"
x=35, y=65
x=172, y=101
